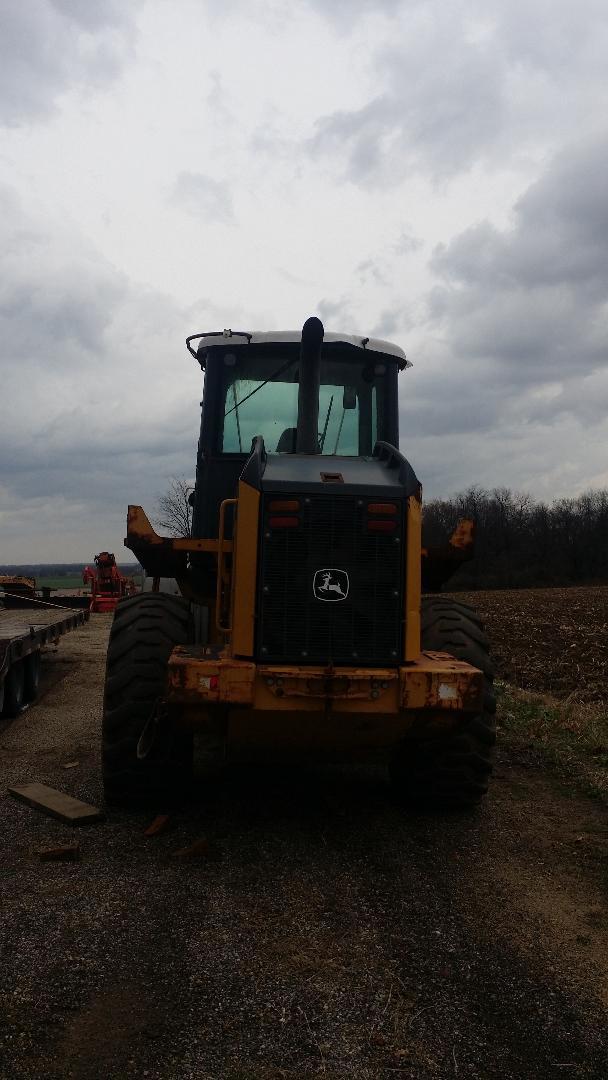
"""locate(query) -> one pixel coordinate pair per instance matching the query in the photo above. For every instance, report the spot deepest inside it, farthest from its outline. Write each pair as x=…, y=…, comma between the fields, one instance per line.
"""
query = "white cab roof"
x=257, y=337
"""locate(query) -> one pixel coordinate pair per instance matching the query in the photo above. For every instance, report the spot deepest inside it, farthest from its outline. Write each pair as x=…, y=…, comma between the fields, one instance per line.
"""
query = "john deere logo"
x=330, y=584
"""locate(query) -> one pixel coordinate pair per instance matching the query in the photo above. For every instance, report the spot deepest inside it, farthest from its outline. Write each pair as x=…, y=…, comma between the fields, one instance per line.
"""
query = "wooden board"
x=56, y=803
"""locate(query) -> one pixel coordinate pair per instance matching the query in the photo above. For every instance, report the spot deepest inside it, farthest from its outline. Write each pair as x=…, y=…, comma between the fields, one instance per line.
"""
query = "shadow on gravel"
x=343, y=806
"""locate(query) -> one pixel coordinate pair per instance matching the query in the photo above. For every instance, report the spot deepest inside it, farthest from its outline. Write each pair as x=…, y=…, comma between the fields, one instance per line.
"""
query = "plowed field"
x=550, y=641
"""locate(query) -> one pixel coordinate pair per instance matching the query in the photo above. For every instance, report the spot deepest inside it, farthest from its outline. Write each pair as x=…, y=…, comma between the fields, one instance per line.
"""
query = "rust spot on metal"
x=163, y=556
x=441, y=561
x=436, y=683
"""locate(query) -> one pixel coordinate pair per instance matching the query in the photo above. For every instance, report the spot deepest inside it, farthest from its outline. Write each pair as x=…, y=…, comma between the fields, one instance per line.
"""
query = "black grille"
x=359, y=620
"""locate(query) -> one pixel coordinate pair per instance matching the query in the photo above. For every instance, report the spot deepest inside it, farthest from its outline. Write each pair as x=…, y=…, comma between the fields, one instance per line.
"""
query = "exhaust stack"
x=307, y=440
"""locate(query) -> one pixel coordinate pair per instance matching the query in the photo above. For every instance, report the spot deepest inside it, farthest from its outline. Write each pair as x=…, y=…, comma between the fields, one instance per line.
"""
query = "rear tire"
x=454, y=769
x=31, y=676
x=14, y=690
x=144, y=632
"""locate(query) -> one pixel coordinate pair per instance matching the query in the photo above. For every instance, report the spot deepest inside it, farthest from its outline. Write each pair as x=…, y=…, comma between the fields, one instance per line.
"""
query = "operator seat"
x=287, y=442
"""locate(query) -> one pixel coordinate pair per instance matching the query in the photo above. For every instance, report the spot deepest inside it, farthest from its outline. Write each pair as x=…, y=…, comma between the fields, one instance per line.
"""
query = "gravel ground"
x=326, y=934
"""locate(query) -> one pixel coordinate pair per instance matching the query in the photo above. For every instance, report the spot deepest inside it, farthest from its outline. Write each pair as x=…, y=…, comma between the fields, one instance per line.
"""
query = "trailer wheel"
x=14, y=689
x=31, y=676
x=144, y=632
x=452, y=770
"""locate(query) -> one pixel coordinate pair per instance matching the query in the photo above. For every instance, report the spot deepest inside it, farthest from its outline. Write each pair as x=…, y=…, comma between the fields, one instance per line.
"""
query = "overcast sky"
x=432, y=173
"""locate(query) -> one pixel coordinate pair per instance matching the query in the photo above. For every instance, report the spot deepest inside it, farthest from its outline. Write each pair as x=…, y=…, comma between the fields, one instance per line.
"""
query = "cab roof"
x=242, y=338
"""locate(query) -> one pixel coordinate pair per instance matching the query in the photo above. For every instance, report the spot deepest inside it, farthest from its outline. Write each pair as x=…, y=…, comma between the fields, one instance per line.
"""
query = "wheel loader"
x=300, y=632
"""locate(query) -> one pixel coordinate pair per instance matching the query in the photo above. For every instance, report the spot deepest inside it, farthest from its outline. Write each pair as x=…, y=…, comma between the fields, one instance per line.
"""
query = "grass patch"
x=69, y=581
x=571, y=734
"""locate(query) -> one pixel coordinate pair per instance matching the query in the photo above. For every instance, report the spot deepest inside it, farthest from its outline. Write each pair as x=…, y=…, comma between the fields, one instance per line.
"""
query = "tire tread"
x=144, y=632
x=451, y=769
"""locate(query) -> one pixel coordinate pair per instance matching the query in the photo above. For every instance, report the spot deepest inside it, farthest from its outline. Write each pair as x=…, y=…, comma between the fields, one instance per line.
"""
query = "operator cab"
x=254, y=387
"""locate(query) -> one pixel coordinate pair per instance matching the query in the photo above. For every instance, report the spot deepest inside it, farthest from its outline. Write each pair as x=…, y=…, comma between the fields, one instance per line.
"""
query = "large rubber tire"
x=451, y=769
x=14, y=690
x=31, y=678
x=144, y=632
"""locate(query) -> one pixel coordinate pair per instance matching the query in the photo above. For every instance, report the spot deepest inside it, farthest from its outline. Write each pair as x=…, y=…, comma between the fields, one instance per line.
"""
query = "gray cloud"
x=91, y=17
x=437, y=121
x=99, y=397
x=531, y=300
x=407, y=244
x=387, y=324
x=371, y=270
x=49, y=46
x=203, y=196
x=346, y=12
x=336, y=314
x=467, y=83
x=517, y=333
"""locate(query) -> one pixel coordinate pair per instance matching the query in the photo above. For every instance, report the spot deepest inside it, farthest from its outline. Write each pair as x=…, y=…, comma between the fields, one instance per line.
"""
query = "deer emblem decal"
x=330, y=584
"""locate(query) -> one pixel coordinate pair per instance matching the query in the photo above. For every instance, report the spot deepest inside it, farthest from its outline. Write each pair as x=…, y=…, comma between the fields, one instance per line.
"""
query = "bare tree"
x=173, y=510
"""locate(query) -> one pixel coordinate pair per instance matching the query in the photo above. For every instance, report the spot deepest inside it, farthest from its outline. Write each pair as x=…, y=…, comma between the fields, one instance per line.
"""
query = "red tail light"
x=283, y=522
x=278, y=505
x=382, y=526
x=382, y=508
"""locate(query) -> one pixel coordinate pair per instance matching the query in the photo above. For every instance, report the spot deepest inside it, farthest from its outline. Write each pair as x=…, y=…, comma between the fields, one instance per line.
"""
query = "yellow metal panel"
x=222, y=598
x=335, y=712
x=352, y=690
x=141, y=534
x=413, y=579
x=435, y=682
x=439, y=682
x=245, y=570
x=193, y=677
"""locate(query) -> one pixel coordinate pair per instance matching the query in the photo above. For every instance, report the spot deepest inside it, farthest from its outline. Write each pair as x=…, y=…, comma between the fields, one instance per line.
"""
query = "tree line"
x=521, y=542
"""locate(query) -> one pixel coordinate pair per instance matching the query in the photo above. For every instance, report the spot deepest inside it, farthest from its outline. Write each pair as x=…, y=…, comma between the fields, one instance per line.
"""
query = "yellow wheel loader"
x=300, y=630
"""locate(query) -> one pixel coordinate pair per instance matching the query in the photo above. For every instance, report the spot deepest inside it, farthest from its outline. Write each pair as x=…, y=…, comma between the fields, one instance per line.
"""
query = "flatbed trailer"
x=23, y=634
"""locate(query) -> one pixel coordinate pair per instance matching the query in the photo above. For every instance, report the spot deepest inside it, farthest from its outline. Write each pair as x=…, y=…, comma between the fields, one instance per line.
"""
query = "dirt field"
x=551, y=641
x=329, y=934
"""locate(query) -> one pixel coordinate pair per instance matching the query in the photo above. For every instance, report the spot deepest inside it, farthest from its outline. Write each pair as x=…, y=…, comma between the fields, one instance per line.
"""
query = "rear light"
x=278, y=505
x=283, y=522
x=382, y=526
x=214, y=682
x=385, y=522
x=382, y=508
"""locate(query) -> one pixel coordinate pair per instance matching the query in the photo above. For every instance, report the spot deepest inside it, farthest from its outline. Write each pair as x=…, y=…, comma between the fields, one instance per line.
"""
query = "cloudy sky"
x=432, y=173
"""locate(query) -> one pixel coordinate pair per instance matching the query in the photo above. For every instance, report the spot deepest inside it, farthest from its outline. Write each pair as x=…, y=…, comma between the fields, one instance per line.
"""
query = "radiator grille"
x=352, y=616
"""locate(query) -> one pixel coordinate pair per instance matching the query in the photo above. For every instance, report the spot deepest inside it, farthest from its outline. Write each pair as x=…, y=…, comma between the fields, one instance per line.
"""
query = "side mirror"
x=349, y=398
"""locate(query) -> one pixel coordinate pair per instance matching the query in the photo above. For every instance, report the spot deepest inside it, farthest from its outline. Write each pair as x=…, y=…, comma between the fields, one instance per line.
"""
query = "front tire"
x=454, y=769
x=144, y=632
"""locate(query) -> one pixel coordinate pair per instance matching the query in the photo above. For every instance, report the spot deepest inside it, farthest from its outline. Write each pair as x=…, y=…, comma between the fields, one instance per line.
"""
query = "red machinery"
x=108, y=585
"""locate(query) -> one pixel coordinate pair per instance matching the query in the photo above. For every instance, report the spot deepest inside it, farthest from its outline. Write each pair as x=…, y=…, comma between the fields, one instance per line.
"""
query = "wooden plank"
x=56, y=803
x=65, y=853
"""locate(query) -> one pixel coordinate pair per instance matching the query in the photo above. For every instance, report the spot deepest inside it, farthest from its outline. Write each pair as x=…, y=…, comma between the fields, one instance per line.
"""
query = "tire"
x=144, y=632
x=31, y=678
x=451, y=770
x=14, y=689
